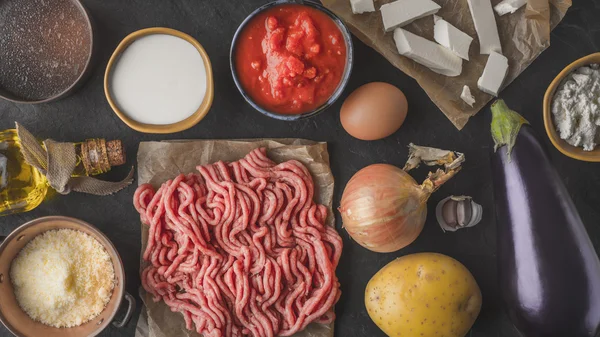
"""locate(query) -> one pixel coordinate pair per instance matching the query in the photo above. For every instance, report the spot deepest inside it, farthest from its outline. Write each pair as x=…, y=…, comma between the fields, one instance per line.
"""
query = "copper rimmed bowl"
x=18, y=322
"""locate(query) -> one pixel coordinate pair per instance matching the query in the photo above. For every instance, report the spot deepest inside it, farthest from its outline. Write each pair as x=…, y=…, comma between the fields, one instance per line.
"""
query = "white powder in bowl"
x=576, y=108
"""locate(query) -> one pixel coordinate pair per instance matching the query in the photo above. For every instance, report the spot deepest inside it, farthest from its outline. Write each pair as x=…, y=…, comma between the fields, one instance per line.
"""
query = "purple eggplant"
x=549, y=272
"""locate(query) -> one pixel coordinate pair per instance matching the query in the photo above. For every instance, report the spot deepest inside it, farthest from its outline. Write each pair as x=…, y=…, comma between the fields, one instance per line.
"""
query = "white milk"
x=159, y=79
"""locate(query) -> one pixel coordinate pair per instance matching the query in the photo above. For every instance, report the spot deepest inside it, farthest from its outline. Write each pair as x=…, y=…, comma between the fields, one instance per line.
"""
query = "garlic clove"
x=456, y=212
x=477, y=214
x=449, y=214
x=463, y=212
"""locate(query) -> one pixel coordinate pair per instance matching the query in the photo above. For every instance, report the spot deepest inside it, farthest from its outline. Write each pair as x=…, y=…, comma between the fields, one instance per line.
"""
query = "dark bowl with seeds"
x=46, y=49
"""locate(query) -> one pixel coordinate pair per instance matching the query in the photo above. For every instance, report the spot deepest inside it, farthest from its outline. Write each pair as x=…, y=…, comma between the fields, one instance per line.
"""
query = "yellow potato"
x=423, y=295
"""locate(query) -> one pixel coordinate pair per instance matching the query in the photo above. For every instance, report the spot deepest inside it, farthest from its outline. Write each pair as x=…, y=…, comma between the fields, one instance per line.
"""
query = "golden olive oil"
x=23, y=187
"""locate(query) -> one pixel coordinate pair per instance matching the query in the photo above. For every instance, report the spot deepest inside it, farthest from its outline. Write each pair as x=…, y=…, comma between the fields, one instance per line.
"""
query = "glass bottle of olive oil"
x=23, y=187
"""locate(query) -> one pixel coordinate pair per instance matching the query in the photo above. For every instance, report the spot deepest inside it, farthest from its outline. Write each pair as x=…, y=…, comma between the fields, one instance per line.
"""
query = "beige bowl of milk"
x=159, y=80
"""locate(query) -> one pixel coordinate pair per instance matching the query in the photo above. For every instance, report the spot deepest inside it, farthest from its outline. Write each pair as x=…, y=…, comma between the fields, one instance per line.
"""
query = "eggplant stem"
x=505, y=127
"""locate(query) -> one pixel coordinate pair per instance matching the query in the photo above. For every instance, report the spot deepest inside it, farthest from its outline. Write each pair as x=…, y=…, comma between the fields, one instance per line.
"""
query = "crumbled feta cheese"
x=402, y=12
x=509, y=6
x=362, y=6
x=427, y=53
x=494, y=73
x=451, y=37
x=485, y=25
x=466, y=96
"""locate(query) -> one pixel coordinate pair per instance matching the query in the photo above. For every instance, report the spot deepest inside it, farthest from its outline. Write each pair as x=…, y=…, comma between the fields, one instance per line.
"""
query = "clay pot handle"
x=128, y=314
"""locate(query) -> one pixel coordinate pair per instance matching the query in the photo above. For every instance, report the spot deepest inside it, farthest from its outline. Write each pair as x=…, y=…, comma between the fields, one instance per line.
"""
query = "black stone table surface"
x=87, y=114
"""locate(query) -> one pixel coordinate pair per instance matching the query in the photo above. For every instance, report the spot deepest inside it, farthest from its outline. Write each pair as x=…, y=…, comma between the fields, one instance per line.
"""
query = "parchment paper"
x=161, y=161
x=523, y=34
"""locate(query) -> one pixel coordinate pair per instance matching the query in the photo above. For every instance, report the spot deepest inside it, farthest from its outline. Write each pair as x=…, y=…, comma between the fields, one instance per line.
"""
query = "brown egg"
x=374, y=111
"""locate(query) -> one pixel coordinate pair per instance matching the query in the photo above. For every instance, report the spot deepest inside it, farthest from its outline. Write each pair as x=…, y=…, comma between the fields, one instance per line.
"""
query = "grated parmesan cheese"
x=63, y=278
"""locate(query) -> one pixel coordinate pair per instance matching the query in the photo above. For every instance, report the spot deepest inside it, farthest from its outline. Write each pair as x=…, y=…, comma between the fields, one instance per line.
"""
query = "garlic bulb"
x=456, y=212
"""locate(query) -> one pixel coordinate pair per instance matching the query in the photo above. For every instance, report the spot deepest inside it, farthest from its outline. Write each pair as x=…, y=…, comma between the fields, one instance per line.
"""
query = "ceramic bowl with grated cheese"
x=60, y=276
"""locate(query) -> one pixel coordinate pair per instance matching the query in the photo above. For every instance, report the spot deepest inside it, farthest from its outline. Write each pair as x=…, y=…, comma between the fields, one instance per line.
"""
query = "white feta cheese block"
x=362, y=6
x=402, y=12
x=485, y=25
x=494, y=73
x=466, y=96
x=427, y=53
x=509, y=6
x=451, y=37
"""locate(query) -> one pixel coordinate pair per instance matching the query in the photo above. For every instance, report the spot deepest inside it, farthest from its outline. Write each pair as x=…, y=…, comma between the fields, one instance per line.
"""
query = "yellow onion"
x=384, y=209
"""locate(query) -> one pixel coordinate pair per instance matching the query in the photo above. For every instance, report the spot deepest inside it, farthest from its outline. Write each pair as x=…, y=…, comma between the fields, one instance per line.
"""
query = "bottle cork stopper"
x=98, y=155
x=115, y=152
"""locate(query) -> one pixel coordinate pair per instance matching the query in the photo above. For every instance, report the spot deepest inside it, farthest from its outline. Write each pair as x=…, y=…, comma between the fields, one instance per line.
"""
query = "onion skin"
x=383, y=208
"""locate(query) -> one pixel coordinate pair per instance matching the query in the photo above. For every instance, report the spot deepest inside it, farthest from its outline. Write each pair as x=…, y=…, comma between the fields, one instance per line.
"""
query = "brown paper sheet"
x=161, y=161
x=523, y=39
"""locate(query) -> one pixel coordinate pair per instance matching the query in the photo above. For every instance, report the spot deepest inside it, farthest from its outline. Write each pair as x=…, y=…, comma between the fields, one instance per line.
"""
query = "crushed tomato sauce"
x=290, y=58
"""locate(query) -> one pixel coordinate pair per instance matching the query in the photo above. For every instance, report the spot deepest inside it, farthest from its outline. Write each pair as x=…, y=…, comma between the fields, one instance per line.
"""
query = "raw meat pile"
x=241, y=249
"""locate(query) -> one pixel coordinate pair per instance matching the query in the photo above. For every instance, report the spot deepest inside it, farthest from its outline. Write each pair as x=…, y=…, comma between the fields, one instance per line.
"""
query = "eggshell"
x=374, y=111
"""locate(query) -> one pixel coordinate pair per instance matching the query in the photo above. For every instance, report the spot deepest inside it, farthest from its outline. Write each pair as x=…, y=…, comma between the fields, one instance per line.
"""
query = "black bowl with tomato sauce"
x=291, y=59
